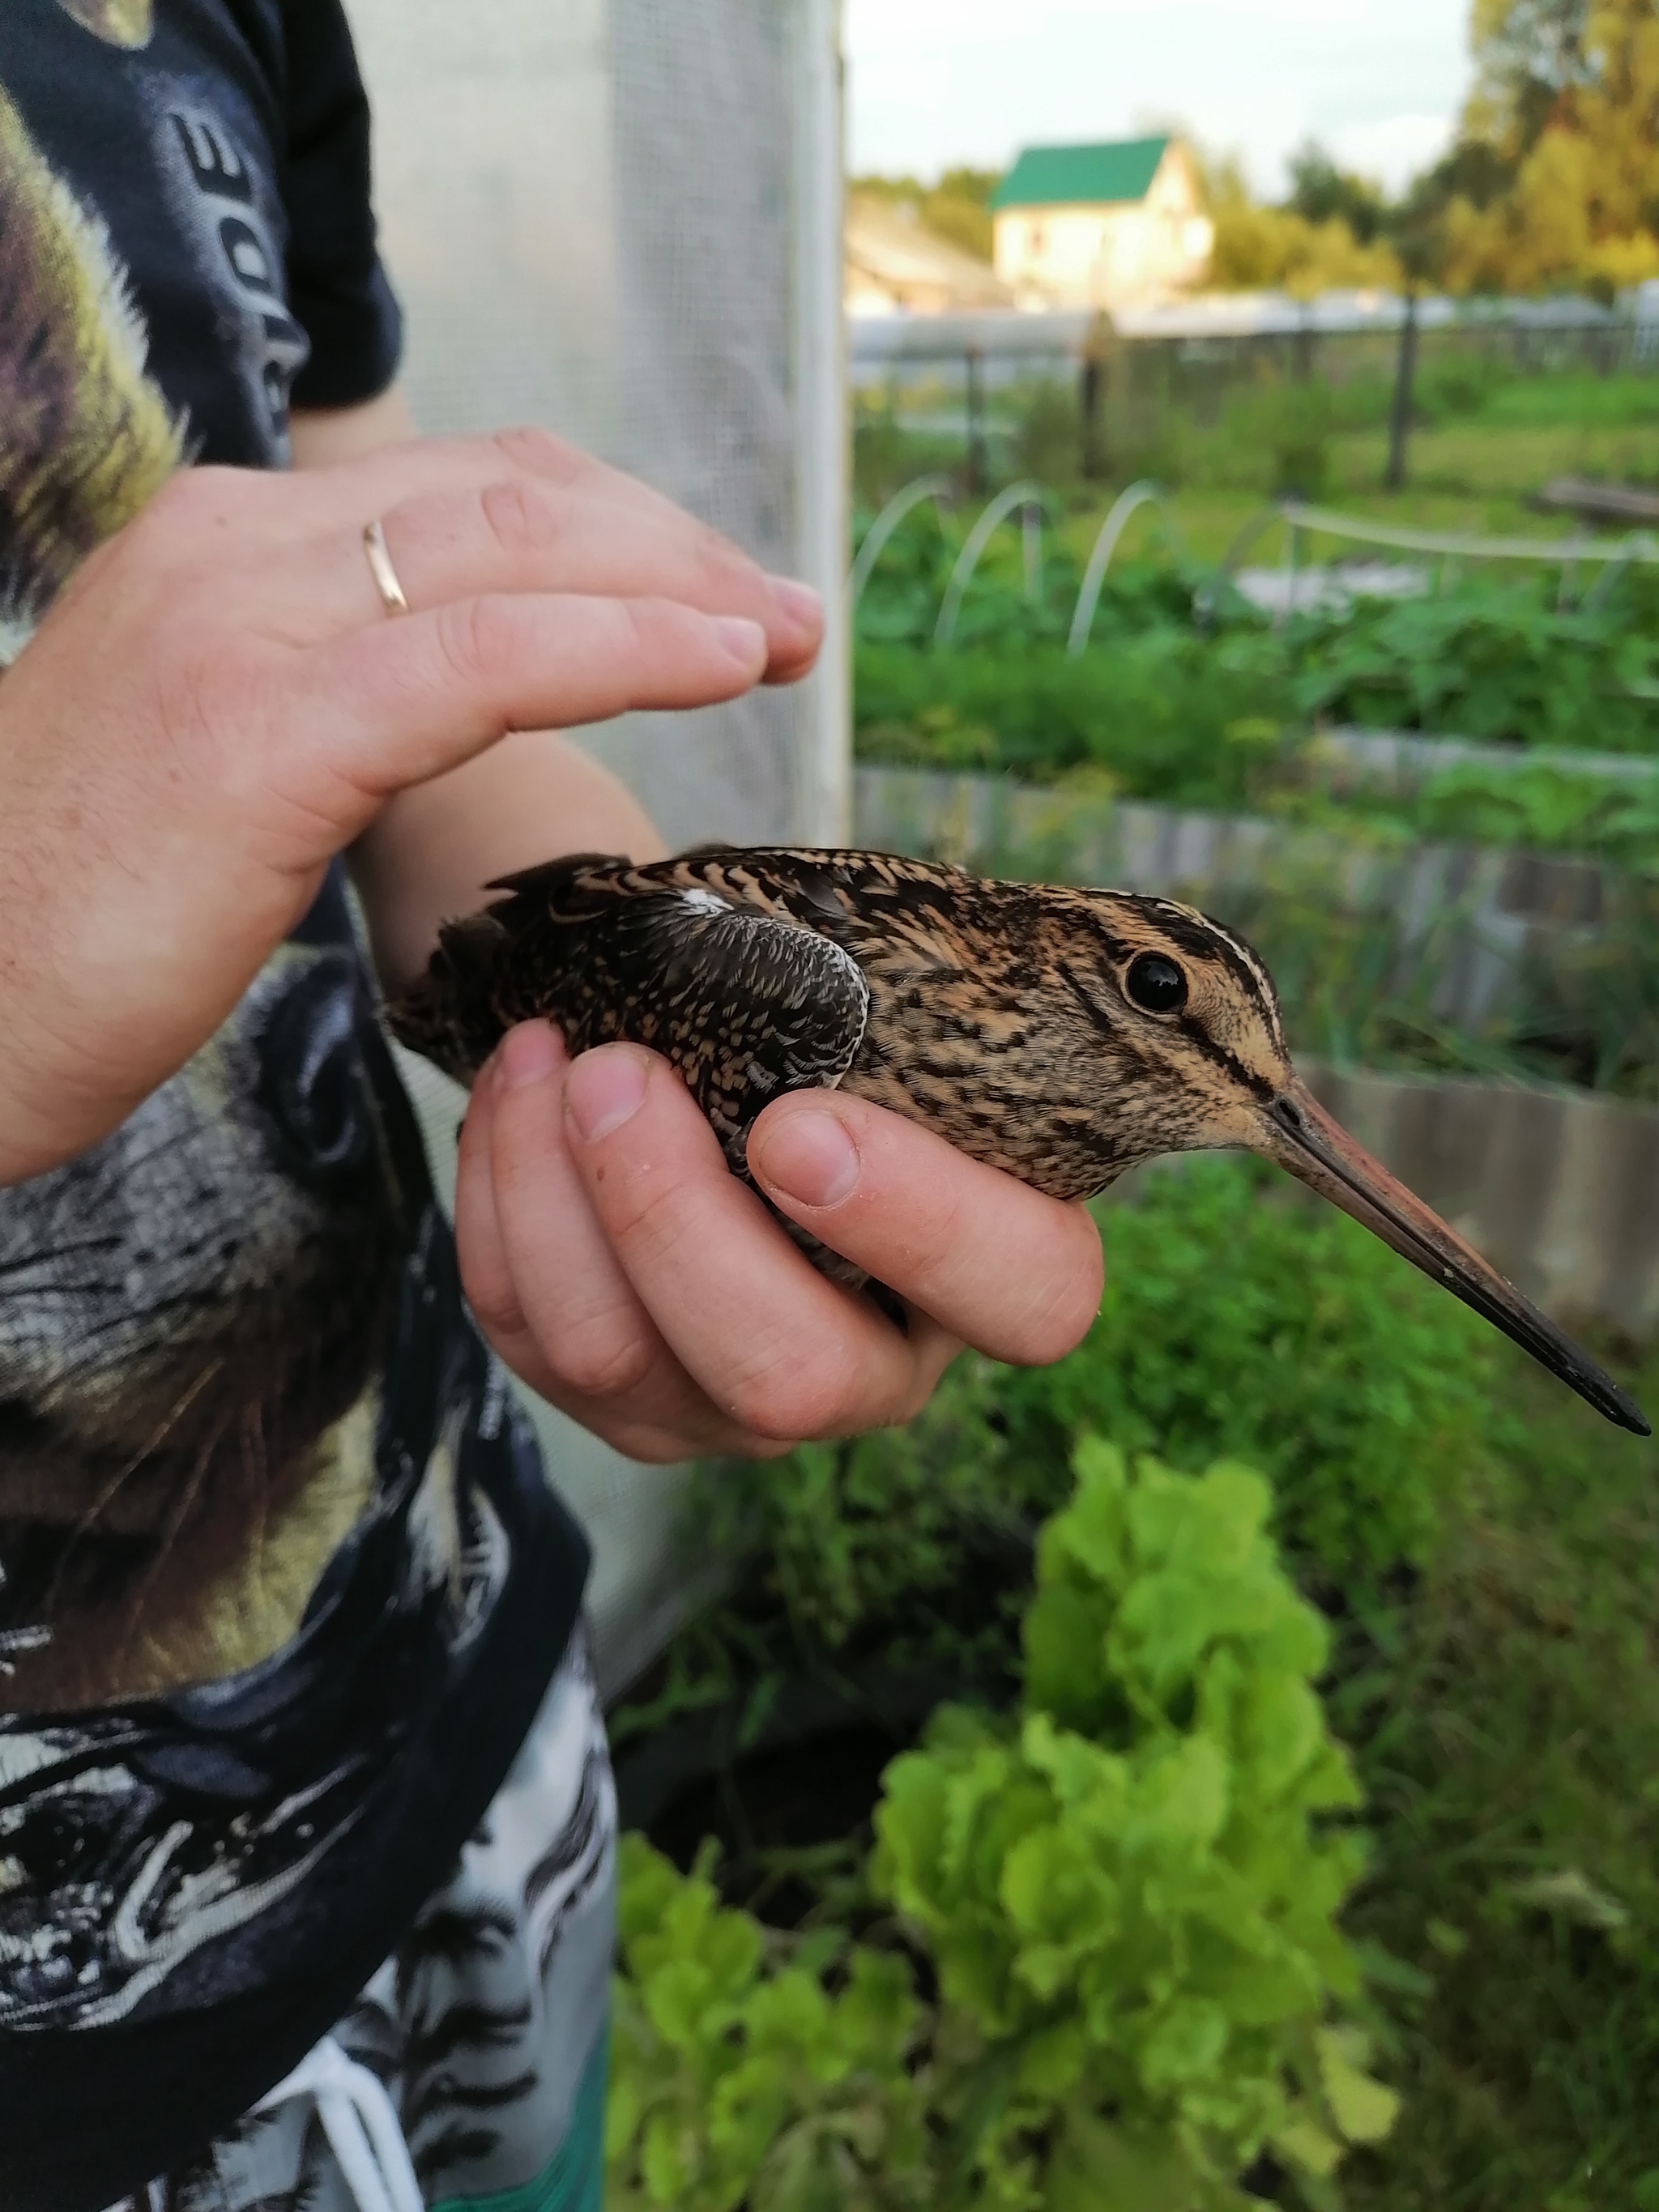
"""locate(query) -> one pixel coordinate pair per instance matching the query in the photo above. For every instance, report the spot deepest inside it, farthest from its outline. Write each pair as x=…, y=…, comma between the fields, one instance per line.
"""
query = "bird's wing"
x=747, y=1005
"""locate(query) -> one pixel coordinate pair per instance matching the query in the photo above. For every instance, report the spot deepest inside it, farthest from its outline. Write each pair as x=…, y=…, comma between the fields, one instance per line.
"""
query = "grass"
x=1572, y=401
x=1507, y=461
x=1508, y=1737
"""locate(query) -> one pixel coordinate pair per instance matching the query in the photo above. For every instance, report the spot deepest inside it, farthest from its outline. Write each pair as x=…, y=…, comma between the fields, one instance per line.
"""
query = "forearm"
x=431, y=852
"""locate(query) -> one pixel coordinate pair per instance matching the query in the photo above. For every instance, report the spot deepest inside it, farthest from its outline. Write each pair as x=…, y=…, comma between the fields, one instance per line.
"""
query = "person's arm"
x=430, y=855
x=610, y=1258
x=219, y=703
x=321, y=437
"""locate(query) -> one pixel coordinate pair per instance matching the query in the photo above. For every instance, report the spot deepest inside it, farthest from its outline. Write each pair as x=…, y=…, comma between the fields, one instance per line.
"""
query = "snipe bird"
x=1062, y=1035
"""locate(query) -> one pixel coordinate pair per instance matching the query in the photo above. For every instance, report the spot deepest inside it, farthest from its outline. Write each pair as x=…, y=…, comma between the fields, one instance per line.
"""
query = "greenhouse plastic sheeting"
x=620, y=220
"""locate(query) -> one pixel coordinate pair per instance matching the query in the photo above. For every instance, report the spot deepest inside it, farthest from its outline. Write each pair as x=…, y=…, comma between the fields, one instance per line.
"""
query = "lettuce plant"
x=737, y=2078
x=1130, y=1893
x=1124, y=1896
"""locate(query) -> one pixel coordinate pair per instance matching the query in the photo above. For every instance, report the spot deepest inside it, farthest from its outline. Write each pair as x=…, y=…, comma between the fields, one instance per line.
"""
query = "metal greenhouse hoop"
x=1127, y=503
x=1030, y=496
x=936, y=487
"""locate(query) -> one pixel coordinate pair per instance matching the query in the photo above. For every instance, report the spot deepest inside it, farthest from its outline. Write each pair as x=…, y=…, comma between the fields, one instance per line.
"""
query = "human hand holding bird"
x=628, y=1277
x=1058, y=1034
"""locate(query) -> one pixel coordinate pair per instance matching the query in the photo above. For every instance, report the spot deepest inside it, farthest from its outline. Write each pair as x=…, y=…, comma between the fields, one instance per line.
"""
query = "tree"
x=1527, y=54
x=1324, y=193
x=1298, y=248
x=957, y=208
x=1555, y=180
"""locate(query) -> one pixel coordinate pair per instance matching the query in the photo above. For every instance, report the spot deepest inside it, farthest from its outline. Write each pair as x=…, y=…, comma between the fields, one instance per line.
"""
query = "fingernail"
x=528, y=1054
x=810, y=1158
x=604, y=1089
x=744, y=639
x=799, y=602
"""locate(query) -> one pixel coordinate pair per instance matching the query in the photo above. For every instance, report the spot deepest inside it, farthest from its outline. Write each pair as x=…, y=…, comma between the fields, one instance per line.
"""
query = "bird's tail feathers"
x=448, y=1014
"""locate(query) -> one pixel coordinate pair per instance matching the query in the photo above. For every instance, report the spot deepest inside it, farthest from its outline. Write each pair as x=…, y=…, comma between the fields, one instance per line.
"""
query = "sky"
x=933, y=83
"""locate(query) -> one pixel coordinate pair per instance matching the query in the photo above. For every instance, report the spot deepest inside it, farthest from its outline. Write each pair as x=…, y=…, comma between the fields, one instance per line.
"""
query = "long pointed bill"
x=1301, y=1137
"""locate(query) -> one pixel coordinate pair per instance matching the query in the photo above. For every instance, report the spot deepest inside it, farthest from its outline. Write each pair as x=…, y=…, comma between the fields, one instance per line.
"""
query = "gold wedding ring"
x=380, y=567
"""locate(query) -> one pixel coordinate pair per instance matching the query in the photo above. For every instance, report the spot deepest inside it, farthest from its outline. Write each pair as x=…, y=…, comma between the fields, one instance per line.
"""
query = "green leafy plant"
x=1491, y=660
x=1124, y=1897
x=1472, y=803
x=1273, y=437
x=1155, y=711
x=1478, y=657
x=891, y=1547
x=1127, y=1894
x=1280, y=1334
x=737, y=2077
x=1543, y=807
x=1233, y=1324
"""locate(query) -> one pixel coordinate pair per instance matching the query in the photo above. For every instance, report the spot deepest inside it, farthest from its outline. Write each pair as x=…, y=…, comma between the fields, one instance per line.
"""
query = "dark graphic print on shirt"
x=214, y=192
x=282, y=1584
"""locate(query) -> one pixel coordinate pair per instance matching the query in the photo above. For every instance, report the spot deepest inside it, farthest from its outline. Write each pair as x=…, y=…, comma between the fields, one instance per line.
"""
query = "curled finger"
x=1012, y=1273
x=783, y=1352
x=600, y=1353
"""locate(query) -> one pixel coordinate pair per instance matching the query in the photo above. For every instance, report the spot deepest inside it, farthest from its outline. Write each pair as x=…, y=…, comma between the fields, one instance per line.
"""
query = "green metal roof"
x=1072, y=176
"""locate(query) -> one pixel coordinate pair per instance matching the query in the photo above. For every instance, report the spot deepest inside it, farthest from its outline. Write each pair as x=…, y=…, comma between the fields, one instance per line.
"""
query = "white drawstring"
x=361, y=2125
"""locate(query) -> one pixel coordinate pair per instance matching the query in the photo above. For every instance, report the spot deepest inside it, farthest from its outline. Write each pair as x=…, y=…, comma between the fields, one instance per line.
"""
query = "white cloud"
x=1394, y=148
x=937, y=82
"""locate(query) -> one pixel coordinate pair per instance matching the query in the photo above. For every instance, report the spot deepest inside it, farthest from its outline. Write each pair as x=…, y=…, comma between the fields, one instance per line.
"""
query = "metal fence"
x=957, y=376
x=1332, y=334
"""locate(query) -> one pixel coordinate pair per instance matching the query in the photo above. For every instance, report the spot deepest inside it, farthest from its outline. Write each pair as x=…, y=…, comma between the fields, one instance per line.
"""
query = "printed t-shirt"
x=284, y=1586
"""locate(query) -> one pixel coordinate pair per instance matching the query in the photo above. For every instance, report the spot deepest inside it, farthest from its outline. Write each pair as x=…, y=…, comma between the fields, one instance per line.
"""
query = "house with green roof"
x=1120, y=223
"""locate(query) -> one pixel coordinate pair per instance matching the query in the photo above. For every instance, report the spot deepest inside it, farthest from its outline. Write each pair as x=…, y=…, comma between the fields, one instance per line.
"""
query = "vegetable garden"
x=1043, y=1879
x=1218, y=1769
x=1189, y=696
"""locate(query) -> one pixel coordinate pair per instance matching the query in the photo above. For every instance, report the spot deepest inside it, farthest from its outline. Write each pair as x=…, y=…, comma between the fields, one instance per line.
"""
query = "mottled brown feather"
x=992, y=1012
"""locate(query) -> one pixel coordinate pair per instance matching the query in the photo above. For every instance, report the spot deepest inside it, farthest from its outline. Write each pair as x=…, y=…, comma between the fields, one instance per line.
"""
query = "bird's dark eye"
x=1155, y=984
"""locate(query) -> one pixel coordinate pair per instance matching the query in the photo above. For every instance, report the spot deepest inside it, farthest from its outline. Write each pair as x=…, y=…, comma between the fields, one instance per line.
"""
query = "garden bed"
x=803, y=2024
x=1186, y=696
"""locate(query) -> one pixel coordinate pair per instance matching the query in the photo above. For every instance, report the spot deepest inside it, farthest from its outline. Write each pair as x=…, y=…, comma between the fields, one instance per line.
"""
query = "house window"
x=1036, y=241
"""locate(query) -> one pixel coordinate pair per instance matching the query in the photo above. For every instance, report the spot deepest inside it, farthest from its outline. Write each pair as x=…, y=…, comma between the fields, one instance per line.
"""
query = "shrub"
x=1050, y=442
x=1272, y=438
x=1279, y=1334
x=1167, y=714
x=1451, y=387
x=1490, y=660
